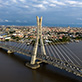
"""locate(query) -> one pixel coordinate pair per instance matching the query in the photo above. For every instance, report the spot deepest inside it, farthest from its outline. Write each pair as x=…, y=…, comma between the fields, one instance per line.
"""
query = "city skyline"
x=53, y=11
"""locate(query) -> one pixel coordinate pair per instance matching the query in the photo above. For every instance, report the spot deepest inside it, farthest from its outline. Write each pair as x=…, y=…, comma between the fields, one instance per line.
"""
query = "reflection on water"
x=12, y=69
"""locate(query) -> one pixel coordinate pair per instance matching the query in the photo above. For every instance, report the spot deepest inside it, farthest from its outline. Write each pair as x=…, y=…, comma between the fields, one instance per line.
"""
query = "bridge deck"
x=75, y=69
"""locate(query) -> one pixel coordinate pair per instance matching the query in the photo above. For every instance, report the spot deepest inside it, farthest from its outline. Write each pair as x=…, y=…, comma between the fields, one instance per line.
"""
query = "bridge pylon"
x=39, y=38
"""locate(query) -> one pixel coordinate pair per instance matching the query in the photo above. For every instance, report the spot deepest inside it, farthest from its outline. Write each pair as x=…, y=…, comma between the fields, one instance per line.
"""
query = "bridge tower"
x=39, y=38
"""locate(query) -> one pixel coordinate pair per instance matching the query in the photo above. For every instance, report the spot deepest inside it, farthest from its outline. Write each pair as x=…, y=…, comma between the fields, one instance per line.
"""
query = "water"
x=13, y=69
x=44, y=24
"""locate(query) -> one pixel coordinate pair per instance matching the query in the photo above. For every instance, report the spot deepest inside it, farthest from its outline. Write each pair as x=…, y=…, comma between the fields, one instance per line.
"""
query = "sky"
x=52, y=11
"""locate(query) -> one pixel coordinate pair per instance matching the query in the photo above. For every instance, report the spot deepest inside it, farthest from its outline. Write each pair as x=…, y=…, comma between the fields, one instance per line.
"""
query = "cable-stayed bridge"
x=58, y=54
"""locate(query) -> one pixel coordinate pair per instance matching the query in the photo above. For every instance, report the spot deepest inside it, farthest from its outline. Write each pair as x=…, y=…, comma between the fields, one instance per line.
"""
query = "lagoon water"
x=34, y=24
x=13, y=69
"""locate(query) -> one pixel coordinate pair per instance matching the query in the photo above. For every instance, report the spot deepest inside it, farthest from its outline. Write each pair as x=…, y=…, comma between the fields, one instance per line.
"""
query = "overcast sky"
x=53, y=11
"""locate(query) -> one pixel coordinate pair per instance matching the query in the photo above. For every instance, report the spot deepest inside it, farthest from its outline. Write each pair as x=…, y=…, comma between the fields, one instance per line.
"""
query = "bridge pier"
x=9, y=52
x=32, y=66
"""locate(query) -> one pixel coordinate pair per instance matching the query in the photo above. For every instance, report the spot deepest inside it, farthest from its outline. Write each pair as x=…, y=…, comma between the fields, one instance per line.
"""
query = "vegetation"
x=7, y=40
x=16, y=38
x=11, y=32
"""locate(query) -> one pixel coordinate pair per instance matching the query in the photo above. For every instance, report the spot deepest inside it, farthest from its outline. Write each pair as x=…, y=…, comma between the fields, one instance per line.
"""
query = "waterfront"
x=12, y=69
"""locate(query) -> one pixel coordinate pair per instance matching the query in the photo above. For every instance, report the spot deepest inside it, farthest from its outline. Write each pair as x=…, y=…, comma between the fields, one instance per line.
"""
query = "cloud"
x=74, y=3
x=45, y=2
x=25, y=6
x=1, y=20
x=6, y=20
x=52, y=5
x=23, y=1
x=57, y=2
x=18, y=21
x=26, y=9
x=79, y=18
x=15, y=1
x=39, y=6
